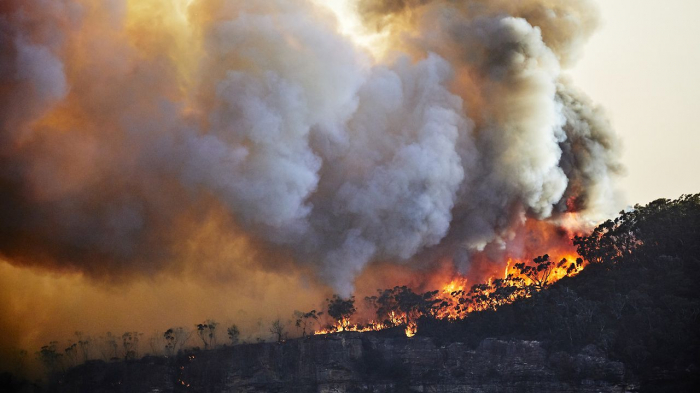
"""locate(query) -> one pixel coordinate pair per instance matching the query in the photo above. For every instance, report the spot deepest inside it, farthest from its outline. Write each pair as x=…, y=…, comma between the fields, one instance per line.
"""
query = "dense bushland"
x=638, y=301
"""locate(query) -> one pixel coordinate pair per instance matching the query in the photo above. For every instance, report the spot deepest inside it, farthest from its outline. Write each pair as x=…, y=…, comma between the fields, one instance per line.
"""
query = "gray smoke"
x=119, y=138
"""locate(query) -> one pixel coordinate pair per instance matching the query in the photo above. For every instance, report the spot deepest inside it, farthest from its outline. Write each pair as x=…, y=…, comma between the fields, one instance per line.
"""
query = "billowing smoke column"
x=125, y=125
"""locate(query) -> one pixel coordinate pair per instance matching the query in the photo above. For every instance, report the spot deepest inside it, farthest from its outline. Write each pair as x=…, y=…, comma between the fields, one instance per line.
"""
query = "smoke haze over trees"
x=180, y=157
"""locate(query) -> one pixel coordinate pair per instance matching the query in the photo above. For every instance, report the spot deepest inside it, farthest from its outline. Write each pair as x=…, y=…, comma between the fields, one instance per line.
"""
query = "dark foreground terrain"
x=358, y=362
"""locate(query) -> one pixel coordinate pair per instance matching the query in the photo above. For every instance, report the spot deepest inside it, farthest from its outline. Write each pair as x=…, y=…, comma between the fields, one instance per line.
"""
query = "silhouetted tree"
x=71, y=354
x=50, y=358
x=278, y=330
x=304, y=318
x=207, y=332
x=175, y=339
x=662, y=227
x=539, y=274
x=233, y=334
x=130, y=343
x=83, y=345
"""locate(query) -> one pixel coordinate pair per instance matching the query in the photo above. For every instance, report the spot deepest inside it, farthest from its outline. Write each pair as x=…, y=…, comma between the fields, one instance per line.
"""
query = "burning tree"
x=539, y=274
x=341, y=310
x=400, y=305
x=508, y=290
x=458, y=303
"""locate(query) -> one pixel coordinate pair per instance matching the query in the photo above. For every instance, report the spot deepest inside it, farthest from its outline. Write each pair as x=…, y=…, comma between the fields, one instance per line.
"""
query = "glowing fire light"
x=453, y=302
x=522, y=276
x=345, y=326
x=411, y=329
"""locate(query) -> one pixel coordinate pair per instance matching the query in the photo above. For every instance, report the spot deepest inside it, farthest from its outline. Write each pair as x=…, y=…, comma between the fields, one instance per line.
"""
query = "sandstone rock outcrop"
x=359, y=362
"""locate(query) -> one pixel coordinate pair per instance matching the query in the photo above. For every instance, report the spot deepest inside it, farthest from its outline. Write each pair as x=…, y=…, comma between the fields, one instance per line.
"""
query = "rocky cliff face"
x=358, y=362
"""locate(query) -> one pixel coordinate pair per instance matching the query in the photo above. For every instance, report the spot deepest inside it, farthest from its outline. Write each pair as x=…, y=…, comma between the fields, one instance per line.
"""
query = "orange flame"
x=456, y=299
x=453, y=302
x=411, y=329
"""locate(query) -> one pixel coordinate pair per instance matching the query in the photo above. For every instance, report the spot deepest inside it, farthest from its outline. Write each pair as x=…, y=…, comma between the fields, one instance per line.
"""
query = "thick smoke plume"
x=128, y=127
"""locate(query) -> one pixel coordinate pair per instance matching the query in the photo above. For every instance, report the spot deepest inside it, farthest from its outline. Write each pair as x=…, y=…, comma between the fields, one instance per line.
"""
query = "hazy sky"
x=643, y=66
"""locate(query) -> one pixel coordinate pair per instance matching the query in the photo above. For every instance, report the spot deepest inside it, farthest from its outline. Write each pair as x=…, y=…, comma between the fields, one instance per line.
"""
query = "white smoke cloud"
x=309, y=144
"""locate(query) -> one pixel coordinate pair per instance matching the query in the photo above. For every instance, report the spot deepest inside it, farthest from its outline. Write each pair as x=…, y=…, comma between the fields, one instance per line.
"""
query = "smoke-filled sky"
x=167, y=161
x=642, y=66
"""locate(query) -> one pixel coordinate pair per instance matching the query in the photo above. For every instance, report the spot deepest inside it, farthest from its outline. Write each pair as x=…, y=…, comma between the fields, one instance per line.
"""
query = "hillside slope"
x=637, y=301
x=629, y=321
